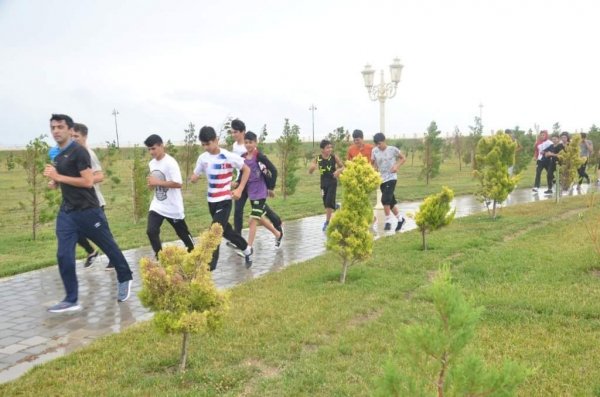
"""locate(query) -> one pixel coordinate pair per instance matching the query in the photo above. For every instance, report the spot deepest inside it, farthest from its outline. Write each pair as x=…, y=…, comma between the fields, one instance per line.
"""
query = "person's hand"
x=152, y=181
x=235, y=184
x=394, y=168
x=337, y=173
x=52, y=184
x=236, y=194
x=50, y=172
x=271, y=193
x=194, y=178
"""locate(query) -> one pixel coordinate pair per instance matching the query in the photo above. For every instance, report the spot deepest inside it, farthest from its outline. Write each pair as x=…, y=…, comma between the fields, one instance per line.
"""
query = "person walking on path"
x=387, y=159
x=167, y=202
x=261, y=183
x=330, y=167
x=586, y=148
x=79, y=215
x=238, y=131
x=542, y=162
x=359, y=146
x=551, y=155
x=80, y=135
x=218, y=165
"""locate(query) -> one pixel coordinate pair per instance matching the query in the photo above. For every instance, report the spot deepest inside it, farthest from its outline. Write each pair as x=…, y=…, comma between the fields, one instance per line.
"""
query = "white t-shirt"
x=219, y=173
x=239, y=149
x=96, y=167
x=385, y=160
x=167, y=202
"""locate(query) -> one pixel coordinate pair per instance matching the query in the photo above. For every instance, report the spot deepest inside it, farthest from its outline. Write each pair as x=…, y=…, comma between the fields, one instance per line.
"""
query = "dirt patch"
x=265, y=372
x=365, y=318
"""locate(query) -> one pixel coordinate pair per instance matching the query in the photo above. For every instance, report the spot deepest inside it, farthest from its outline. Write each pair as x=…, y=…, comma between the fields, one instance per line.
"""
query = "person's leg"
x=238, y=213
x=85, y=244
x=183, y=232
x=550, y=175
x=93, y=224
x=155, y=221
x=538, y=174
x=251, y=231
x=67, y=236
x=273, y=217
x=220, y=214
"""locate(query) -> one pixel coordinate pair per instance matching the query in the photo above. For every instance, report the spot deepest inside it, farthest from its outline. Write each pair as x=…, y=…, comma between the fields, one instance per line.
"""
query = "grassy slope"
x=299, y=332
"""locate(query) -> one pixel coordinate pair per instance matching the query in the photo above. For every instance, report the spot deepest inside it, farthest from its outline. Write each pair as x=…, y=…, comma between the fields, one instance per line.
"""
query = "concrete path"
x=29, y=335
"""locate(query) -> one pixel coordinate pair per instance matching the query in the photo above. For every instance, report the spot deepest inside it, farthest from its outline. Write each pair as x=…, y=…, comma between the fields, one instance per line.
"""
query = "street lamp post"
x=114, y=113
x=380, y=93
x=383, y=90
x=312, y=109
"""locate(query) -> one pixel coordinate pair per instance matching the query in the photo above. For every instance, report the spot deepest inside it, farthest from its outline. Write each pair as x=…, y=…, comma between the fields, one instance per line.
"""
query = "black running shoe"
x=89, y=261
x=400, y=224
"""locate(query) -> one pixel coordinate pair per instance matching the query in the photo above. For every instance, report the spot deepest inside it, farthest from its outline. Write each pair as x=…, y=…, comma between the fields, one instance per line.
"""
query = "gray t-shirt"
x=384, y=160
x=95, y=168
x=583, y=148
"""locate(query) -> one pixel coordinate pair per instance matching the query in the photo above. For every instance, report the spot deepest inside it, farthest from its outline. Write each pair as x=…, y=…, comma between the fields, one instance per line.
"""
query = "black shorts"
x=328, y=193
x=387, y=193
x=258, y=208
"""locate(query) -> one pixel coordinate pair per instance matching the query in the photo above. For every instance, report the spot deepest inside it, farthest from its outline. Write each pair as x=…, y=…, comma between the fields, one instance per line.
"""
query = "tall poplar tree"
x=432, y=153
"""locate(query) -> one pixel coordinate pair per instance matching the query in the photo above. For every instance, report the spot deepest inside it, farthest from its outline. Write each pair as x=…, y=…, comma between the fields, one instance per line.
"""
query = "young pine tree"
x=139, y=185
x=288, y=146
x=433, y=360
x=348, y=233
x=340, y=139
x=262, y=139
x=190, y=151
x=180, y=290
x=495, y=154
x=569, y=162
x=432, y=153
x=435, y=213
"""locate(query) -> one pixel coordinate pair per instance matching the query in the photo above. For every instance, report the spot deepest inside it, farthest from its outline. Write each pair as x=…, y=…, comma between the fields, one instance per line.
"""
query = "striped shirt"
x=219, y=173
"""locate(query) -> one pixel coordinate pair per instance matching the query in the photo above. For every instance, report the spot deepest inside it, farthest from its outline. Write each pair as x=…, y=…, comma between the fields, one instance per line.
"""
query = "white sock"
x=248, y=250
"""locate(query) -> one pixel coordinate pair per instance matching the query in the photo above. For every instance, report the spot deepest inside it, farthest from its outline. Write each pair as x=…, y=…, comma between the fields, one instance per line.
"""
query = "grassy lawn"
x=300, y=333
x=19, y=253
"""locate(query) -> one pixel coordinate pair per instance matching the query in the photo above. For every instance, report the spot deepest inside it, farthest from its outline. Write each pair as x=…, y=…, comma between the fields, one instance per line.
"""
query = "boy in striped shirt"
x=218, y=164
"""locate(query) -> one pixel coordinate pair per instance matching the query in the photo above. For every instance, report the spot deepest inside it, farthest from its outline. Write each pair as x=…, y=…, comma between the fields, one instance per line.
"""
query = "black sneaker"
x=400, y=224
x=387, y=226
x=89, y=261
x=248, y=258
x=278, y=241
x=109, y=267
x=549, y=191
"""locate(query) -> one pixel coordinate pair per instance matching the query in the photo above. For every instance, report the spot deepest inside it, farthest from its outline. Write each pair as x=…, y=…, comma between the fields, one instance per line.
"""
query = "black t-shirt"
x=70, y=161
x=326, y=169
x=555, y=149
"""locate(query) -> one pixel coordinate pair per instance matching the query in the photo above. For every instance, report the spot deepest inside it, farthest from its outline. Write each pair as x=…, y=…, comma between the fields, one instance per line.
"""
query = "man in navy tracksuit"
x=80, y=215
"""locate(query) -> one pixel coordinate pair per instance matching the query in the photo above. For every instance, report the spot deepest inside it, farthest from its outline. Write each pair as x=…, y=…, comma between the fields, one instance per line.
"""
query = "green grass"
x=300, y=333
x=18, y=253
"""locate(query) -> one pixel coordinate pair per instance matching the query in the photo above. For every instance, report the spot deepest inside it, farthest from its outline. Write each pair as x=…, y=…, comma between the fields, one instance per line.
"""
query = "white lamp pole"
x=380, y=93
x=115, y=112
x=312, y=108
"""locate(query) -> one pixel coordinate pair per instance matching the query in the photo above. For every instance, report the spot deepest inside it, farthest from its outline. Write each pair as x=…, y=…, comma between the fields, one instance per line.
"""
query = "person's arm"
x=198, y=170
x=272, y=170
x=85, y=180
x=237, y=193
x=339, y=166
x=401, y=160
x=313, y=166
x=98, y=177
x=173, y=181
x=154, y=181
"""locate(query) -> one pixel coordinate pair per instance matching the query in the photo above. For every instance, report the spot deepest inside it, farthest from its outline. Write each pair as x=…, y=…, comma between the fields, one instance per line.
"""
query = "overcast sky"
x=163, y=64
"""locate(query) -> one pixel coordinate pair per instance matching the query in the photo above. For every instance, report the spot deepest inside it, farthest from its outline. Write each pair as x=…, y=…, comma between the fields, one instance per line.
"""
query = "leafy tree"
x=33, y=161
x=141, y=196
x=495, y=154
x=447, y=148
x=180, y=290
x=432, y=157
x=190, y=151
x=348, y=233
x=10, y=161
x=340, y=139
x=225, y=127
x=556, y=128
x=289, y=146
x=435, y=359
x=435, y=213
x=262, y=139
x=458, y=146
x=524, y=149
x=569, y=161
x=474, y=137
x=171, y=148
x=108, y=157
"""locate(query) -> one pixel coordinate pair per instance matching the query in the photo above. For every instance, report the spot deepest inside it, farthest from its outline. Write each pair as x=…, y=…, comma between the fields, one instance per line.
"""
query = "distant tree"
x=556, y=128
x=569, y=161
x=435, y=213
x=340, y=139
x=435, y=359
x=447, y=148
x=524, y=149
x=225, y=127
x=180, y=290
x=474, y=137
x=458, y=146
x=190, y=151
x=33, y=161
x=10, y=161
x=495, y=154
x=432, y=156
x=108, y=158
x=262, y=138
x=171, y=148
x=288, y=147
x=140, y=193
x=348, y=233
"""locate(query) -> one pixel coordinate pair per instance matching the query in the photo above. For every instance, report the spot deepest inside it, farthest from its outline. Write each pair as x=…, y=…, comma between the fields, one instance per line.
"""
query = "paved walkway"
x=29, y=335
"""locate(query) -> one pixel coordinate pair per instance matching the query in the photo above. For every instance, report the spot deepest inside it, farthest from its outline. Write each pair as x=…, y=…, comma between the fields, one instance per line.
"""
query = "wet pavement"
x=29, y=335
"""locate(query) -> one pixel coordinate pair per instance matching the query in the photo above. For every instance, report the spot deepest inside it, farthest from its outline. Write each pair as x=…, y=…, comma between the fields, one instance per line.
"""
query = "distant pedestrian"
x=541, y=144
x=387, y=159
x=551, y=155
x=261, y=183
x=80, y=135
x=218, y=165
x=79, y=214
x=330, y=167
x=586, y=149
x=167, y=201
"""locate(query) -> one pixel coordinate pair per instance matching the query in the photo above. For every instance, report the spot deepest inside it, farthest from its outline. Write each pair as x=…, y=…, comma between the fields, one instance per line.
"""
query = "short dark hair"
x=238, y=125
x=379, y=137
x=153, y=140
x=357, y=134
x=207, y=134
x=564, y=133
x=324, y=143
x=62, y=117
x=583, y=135
x=250, y=136
x=81, y=128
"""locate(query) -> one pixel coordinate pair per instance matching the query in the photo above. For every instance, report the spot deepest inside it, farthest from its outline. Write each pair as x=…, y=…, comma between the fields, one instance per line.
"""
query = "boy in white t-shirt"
x=387, y=159
x=167, y=202
x=218, y=165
